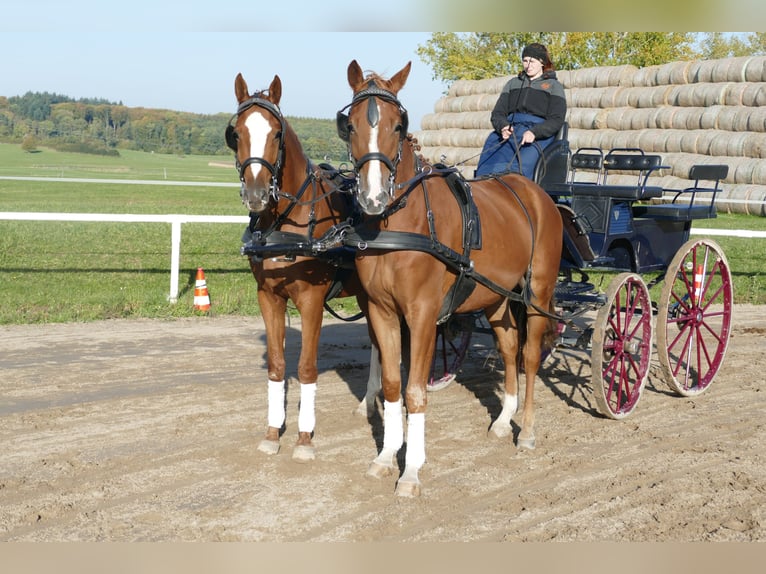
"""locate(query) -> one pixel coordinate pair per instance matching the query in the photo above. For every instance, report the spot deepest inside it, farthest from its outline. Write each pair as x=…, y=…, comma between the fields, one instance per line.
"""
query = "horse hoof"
x=304, y=453
x=527, y=443
x=378, y=470
x=408, y=489
x=269, y=446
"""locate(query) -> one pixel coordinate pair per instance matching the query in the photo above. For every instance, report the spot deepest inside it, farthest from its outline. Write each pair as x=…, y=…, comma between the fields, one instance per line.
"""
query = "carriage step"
x=566, y=289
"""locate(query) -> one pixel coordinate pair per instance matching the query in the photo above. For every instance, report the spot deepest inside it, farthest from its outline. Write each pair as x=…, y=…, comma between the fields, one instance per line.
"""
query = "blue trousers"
x=500, y=156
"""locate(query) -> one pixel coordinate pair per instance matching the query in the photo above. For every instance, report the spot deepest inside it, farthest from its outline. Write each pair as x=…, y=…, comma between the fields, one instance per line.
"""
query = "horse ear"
x=275, y=90
x=400, y=78
x=240, y=88
x=355, y=74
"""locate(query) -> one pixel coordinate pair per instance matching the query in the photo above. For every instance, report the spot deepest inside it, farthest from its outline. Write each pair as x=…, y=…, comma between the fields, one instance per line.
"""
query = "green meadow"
x=81, y=271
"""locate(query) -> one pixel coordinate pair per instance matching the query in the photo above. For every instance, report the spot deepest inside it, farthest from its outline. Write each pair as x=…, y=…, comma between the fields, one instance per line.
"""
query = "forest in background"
x=101, y=127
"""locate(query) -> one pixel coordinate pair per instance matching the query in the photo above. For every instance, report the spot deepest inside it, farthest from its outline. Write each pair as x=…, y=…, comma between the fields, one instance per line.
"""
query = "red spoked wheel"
x=622, y=346
x=452, y=341
x=694, y=318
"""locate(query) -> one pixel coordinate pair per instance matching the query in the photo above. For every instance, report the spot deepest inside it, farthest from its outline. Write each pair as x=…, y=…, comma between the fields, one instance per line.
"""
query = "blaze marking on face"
x=259, y=129
x=374, y=174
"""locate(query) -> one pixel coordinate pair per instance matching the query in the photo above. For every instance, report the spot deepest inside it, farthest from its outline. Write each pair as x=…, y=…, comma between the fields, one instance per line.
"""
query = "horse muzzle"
x=254, y=198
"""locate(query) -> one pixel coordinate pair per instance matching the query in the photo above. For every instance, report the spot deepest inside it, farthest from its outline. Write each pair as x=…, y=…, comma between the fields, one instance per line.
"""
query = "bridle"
x=232, y=141
x=373, y=116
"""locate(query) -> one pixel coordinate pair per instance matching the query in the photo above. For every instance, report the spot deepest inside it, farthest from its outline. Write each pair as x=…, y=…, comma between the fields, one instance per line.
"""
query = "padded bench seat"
x=627, y=192
x=675, y=211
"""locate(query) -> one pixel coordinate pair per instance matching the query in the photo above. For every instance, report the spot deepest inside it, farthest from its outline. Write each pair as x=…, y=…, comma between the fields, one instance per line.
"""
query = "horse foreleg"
x=310, y=307
x=393, y=438
x=273, y=309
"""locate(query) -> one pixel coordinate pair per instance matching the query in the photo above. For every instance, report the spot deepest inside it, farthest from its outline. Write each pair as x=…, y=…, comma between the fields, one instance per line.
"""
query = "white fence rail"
x=176, y=221
x=175, y=229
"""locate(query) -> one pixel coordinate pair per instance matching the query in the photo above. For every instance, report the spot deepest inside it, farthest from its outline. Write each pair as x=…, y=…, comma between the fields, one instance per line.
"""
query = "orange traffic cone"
x=201, y=296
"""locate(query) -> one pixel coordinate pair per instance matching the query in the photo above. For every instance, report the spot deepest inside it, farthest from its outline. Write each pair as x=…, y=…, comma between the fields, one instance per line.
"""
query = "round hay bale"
x=602, y=77
x=709, y=117
x=593, y=97
x=664, y=117
x=643, y=77
x=622, y=75
x=614, y=118
x=756, y=120
x=736, y=144
x=741, y=169
x=650, y=141
x=673, y=141
x=640, y=119
x=689, y=141
x=600, y=121
x=607, y=97
x=643, y=97
x=681, y=164
x=726, y=117
x=664, y=72
x=732, y=94
x=624, y=139
x=679, y=72
x=583, y=118
x=755, y=95
x=704, y=72
x=755, y=145
x=564, y=77
x=705, y=139
x=759, y=172
x=735, y=70
x=755, y=69
x=686, y=95
x=720, y=71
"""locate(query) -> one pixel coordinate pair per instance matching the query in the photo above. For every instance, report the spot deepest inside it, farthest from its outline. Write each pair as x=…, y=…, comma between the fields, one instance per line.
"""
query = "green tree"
x=29, y=143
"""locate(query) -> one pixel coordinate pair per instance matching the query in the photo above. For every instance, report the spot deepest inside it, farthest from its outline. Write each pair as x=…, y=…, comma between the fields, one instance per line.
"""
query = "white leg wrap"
x=393, y=426
x=416, y=440
x=276, y=404
x=510, y=405
x=306, y=416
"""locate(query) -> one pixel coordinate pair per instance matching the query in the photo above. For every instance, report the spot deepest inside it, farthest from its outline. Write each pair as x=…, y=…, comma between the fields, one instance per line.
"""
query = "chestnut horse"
x=432, y=244
x=292, y=203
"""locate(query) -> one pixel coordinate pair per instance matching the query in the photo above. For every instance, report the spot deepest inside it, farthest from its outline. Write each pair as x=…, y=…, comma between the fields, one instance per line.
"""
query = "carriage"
x=517, y=266
x=622, y=230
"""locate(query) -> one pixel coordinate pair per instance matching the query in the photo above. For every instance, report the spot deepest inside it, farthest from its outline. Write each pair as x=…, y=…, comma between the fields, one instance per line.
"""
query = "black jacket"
x=543, y=97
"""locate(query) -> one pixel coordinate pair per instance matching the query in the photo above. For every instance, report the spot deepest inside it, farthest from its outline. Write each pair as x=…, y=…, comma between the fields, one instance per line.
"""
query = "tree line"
x=479, y=55
x=101, y=127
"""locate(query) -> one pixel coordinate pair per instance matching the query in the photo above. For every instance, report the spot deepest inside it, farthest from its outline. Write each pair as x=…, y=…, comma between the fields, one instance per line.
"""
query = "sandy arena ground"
x=147, y=431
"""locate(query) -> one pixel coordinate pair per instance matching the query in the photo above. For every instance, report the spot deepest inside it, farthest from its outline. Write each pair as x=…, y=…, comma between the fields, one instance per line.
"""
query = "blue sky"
x=184, y=54
x=195, y=71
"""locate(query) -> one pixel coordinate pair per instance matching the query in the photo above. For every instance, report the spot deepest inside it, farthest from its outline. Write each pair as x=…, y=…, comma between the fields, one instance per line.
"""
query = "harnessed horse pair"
x=429, y=245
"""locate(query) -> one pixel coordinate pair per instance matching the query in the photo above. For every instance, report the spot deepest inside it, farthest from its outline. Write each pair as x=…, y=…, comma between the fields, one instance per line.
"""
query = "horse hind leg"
x=393, y=439
x=366, y=407
x=507, y=336
x=539, y=329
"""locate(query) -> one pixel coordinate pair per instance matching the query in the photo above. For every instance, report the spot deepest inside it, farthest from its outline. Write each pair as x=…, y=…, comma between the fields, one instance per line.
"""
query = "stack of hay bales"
x=710, y=112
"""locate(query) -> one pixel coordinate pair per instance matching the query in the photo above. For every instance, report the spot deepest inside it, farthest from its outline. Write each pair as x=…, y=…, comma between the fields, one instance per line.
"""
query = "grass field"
x=72, y=271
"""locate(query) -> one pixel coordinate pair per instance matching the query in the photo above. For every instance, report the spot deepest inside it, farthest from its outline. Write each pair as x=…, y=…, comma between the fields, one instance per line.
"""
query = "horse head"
x=256, y=134
x=374, y=128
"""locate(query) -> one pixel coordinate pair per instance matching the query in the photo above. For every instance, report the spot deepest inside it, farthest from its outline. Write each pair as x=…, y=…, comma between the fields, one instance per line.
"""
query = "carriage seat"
x=689, y=208
x=622, y=161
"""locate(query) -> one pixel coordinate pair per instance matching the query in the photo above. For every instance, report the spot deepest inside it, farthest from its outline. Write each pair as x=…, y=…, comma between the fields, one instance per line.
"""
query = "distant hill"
x=102, y=127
